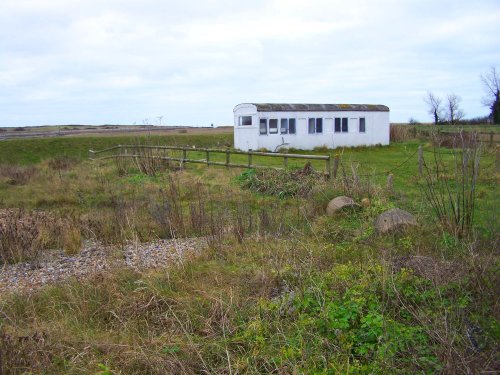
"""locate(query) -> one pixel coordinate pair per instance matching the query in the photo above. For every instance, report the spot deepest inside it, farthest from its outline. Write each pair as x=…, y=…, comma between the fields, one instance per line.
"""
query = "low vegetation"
x=279, y=287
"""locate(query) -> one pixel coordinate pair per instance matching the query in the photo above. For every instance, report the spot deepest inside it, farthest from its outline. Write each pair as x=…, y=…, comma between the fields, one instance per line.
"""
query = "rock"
x=339, y=204
x=393, y=220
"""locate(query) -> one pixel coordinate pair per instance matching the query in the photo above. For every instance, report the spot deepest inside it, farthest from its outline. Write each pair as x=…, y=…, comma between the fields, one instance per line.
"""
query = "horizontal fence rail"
x=132, y=151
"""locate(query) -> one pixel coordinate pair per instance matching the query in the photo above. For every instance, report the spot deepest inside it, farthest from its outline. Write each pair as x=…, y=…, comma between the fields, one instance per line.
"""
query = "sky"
x=190, y=62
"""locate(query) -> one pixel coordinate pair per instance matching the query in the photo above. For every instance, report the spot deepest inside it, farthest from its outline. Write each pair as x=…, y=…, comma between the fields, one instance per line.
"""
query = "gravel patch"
x=56, y=266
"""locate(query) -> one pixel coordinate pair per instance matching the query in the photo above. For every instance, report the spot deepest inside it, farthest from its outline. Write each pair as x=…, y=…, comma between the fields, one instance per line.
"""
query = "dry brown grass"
x=401, y=133
x=24, y=235
x=17, y=175
x=24, y=354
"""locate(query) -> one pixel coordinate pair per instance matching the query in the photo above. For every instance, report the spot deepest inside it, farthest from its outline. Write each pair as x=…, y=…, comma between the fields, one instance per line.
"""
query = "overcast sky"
x=125, y=62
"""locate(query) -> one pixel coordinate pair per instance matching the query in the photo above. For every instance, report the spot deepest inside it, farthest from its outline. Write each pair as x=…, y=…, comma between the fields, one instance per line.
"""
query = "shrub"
x=24, y=354
x=17, y=175
x=62, y=163
x=400, y=133
x=24, y=235
x=281, y=183
x=368, y=320
x=20, y=237
x=450, y=185
x=323, y=149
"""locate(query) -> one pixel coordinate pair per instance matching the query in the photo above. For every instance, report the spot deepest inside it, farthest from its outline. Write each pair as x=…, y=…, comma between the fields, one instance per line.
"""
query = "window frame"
x=346, y=123
x=262, y=120
x=337, y=121
x=274, y=129
x=284, y=126
x=311, y=125
x=294, y=120
x=362, y=124
x=315, y=125
x=241, y=121
x=319, y=125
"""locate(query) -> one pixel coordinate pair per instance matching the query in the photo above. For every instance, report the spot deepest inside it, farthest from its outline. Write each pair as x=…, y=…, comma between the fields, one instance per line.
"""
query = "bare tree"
x=491, y=82
x=435, y=109
x=454, y=113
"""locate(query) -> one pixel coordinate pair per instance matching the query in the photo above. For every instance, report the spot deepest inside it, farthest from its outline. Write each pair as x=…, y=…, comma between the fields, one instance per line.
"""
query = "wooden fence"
x=138, y=151
x=490, y=138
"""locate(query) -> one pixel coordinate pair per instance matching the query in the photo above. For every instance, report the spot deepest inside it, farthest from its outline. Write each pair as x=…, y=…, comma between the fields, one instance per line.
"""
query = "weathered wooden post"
x=208, y=158
x=491, y=138
x=285, y=161
x=249, y=159
x=390, y=182
x=497, y=161
x=336, y=162
x=184, y=157
x=227, y=158
x=420, y=160
x=329, y=167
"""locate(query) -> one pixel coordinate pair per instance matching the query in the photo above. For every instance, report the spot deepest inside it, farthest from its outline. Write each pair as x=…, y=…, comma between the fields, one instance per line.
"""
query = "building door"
x=353, y=125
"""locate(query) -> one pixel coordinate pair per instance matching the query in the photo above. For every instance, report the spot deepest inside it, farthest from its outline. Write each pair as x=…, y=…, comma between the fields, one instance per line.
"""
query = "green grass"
x=34, y=150
x=284, y=289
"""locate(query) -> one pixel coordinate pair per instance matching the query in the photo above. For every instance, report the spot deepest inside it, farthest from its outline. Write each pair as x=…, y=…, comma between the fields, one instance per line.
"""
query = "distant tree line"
x=448, y=111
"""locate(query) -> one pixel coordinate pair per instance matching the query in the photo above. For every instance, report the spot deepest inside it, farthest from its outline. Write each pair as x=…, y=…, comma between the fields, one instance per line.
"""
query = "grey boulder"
x=394, y=219
x=339, y=204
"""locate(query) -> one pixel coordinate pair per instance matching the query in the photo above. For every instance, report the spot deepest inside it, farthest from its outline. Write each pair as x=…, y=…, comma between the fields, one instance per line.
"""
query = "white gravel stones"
x=94, y=258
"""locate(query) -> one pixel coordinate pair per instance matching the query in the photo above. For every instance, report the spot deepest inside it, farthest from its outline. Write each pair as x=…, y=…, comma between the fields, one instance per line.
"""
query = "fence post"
x=329, y=166
x=420, y=160
x=285, y=161
x=250, y=160
x=208, y=158
x=227, y=158
x=497, y=162
x=184, y=157
x=390, y=182
x=336, y=161
x=491, y=139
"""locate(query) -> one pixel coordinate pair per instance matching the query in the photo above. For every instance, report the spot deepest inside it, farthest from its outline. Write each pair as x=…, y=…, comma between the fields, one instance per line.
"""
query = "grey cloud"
x=121, y=61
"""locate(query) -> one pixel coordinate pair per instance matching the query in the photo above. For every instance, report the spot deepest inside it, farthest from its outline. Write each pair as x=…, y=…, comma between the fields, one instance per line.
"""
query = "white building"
x=305, y=126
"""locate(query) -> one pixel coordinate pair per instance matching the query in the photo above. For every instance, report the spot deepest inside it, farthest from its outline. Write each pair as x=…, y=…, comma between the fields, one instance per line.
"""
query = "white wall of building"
x=248, y=137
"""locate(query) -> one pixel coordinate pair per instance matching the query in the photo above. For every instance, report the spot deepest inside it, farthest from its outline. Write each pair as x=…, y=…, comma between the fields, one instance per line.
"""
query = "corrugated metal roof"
x=291, y=107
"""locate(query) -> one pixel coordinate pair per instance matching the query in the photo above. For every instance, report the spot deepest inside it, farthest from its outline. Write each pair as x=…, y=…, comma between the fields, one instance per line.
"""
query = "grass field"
x=280, y=287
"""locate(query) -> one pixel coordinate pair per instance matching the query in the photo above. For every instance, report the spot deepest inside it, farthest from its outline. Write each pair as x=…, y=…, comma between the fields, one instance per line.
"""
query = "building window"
x=319, y=125
x=315, y=125
x=291, y=126
x=362, y=125
x=273, y=126
x=337, y=125
x=312, y=125
x=341, y=125
x=245, y=120
x=284, y=126
x=263, y=126
x=345, y=125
